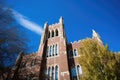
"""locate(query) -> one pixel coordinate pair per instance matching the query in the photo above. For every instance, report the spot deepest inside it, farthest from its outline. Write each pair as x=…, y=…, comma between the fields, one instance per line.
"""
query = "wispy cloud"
x=25, y=22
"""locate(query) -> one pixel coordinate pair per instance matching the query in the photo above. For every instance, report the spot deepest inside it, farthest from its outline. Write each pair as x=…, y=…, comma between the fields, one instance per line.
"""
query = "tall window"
x=48, y=51
x=50, y=54
x=52, y=73
x=52, y=33
x=74, y=74
x=49, y=72
x=49, y=34
x=53, y=50
x=56, y=31
x=56, y=73
x=56, y=49
x=75, y=52
x=79, y=70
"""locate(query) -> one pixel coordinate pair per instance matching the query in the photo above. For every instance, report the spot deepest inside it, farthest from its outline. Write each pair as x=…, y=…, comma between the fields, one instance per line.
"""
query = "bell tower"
x=53, y=50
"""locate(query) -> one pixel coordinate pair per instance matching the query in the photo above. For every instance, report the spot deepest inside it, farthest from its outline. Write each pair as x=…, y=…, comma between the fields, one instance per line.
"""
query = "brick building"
x=56, y=59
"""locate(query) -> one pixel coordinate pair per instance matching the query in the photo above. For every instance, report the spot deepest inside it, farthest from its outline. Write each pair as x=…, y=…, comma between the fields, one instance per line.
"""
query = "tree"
x=98, y=63
x=11, y=38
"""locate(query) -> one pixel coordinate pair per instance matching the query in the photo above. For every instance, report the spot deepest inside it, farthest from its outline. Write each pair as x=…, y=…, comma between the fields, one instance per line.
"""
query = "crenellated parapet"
x=75, y=42
x=52, y=25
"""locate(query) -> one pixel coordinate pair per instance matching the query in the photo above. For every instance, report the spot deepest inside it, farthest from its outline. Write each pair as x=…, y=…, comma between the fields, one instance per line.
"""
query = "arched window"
x=75, y=52
x=56, y=32
x=56, y=72
x=49, y=34
x=48, y=51
x=52, y=33
x=50, y=54
x=49, y=72
x=74, y=74
x=56, y=49
x=79, y=70
x=53, y=50
x=52, y=73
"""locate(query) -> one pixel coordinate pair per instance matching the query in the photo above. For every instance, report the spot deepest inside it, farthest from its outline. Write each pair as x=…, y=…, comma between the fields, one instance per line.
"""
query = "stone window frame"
x=49, y=52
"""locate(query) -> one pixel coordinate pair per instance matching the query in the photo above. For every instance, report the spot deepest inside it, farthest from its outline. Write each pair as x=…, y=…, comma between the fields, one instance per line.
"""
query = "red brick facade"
x=54, y=51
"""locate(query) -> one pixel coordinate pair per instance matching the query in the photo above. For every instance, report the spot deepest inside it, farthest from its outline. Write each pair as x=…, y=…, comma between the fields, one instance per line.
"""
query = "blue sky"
x=80, y=17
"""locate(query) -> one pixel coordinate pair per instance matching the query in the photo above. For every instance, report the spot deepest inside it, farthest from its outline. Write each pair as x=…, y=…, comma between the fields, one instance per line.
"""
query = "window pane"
x=75, y=52
x=52, y=73
x=56, y=49
x=52, y=33
x=56, y=73
x=53, y=51
x=56, y=32
x=48, y=51
x=79, y=70
x=49, y=72
x=74, y=74
x=49, y=34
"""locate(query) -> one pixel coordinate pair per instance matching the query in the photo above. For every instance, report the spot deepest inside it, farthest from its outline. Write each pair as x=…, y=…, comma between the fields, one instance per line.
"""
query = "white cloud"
x=25, y=22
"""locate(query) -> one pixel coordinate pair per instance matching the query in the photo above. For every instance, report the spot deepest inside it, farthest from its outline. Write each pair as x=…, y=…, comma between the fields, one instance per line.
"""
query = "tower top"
x=61, y=20
x=96, y=35
x=45, y=25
